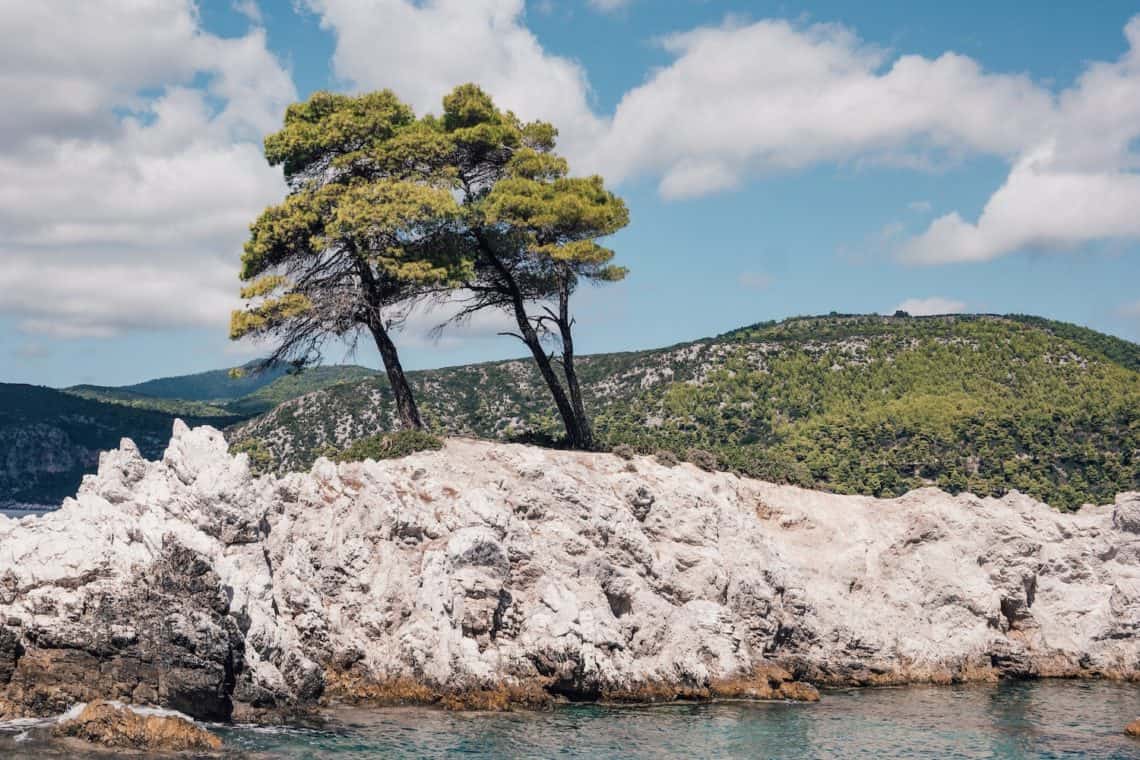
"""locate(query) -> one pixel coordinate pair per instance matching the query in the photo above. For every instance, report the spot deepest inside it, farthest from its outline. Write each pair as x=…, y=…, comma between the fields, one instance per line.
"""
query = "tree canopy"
x=386, y=209
x=359, y=238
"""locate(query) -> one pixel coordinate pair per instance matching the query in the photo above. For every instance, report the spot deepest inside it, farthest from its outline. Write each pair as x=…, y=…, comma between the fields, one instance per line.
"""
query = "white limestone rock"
x=488, y=564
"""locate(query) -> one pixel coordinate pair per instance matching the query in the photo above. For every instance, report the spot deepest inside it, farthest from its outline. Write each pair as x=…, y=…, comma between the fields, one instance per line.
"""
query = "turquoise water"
x=1053, y=719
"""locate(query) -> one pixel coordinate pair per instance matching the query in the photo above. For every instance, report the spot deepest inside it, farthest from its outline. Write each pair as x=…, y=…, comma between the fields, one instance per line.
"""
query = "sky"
x=778, y=159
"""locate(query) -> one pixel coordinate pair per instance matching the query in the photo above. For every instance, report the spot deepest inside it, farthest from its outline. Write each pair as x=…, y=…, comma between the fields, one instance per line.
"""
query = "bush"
x=390, y=446
x=703, y=459
x=667, y=458
x=624, y=452
x=260, y=458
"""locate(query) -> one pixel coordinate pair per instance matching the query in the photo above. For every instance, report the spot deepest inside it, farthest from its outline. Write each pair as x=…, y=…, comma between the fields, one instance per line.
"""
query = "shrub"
x=667, y=458
x=623, y=451
x=390, y=446
x=260, y=458
x=703, y=459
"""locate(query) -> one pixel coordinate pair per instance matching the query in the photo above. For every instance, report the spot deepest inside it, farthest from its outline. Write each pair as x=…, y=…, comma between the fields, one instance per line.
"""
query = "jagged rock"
x=1133, y=728
x=458, y=577
x=1126, y=514
x=117, y=726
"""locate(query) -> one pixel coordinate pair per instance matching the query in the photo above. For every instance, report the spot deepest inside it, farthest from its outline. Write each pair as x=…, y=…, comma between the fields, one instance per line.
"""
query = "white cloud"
x=925, y=307
x=133, y=167
x=421, y=50
x=250, y=9
x=609, y=6
x=745, y=99
x=1039, y=206
x=1073, y=185
x=919, y=207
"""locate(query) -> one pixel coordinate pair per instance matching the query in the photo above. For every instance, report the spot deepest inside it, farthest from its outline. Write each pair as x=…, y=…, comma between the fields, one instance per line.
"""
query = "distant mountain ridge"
x=215, y=385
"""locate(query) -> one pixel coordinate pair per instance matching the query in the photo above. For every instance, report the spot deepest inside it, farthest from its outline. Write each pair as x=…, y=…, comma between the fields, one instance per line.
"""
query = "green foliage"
x=214, y=386
x=297, y=384
x=390, y=446
x=366, y=227
x=260, y=457
x=171, y=406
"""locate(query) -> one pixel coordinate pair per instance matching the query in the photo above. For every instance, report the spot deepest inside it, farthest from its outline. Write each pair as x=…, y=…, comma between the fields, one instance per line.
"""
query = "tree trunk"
x=401, y=390
x=586, y=433
x=575, y=438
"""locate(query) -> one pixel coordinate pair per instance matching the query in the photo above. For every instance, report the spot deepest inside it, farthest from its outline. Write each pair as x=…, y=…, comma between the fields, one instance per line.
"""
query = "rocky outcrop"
x=116, y=726
x=486, y=575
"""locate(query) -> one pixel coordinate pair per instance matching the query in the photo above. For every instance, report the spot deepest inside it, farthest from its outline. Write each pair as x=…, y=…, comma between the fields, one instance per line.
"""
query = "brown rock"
x=767, y=682
x=112, y=725
x=1133, y=728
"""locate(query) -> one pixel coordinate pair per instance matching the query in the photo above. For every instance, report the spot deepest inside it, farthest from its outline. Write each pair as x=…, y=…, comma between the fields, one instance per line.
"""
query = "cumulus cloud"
x=925, y=307
x=130, y=172
x=131, y=168
x=422, y=49
x=248, y=8
x=1077, y=184
x=745, y=99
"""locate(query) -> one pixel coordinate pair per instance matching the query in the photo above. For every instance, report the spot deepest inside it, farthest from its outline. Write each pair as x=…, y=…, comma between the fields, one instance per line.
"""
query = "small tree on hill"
x=366, y=230
x=534, y=232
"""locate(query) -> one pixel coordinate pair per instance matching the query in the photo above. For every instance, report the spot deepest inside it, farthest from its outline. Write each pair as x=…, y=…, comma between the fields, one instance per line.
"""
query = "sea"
x=1043, y=719
x=17, y=513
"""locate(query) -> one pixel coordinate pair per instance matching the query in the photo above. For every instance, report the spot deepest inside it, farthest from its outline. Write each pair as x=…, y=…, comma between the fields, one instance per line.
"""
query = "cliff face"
x=487, y=573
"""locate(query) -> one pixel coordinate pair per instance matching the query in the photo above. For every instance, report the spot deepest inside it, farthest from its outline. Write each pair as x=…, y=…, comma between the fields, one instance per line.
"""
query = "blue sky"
x=777, y=158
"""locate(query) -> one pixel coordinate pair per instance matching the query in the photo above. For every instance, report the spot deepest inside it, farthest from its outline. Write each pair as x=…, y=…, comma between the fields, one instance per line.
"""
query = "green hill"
x=215, y=385
x=269, y=390
x=853, y=404
x=172, y=406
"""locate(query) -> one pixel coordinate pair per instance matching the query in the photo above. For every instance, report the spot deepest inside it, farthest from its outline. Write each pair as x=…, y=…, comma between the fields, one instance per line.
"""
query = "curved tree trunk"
x=401, y=391
x=576, y=436
x=406, y=407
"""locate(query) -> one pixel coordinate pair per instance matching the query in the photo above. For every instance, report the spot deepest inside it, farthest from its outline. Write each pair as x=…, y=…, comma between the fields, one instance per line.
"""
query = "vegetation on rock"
x=851, y=404
x=393, y=445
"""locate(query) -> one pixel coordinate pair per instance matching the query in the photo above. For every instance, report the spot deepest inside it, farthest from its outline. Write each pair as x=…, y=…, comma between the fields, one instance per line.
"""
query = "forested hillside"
x=854, y=404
